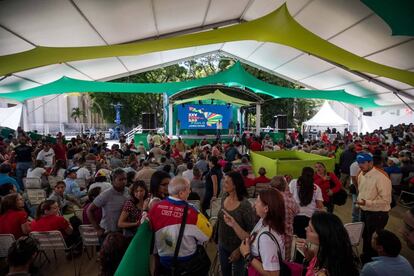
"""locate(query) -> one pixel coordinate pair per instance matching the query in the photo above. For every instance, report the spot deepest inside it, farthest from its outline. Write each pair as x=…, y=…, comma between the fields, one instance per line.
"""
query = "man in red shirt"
x=60, y=150
x=262, y=177
x=255, y=145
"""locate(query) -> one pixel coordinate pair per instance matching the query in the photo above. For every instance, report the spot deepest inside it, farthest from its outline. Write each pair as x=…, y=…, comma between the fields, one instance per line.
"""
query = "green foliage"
x=298, y=110
x=77, y=114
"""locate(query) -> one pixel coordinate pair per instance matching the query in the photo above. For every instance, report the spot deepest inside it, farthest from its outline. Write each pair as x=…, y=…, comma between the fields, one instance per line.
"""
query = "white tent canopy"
x=326, y=117
x=10, y=117
x=348, y=24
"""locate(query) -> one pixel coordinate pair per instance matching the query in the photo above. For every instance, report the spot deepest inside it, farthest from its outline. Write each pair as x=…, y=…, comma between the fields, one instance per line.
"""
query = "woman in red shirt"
x=48, y=219
x=13, y=218
x=329, y=184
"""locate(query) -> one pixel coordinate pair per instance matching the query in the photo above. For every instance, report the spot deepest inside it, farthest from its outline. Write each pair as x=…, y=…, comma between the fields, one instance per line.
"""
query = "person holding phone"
x=263, y=248
x=236, y=205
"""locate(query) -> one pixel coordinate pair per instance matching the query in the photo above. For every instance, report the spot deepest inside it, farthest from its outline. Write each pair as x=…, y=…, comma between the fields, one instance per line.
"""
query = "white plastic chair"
x=215, y=206
x=89, y=237
x=79, y=214
x=32, y=183
x=53, y=240
x=252, y=201
x=36, y=196
x=196, y=203
x=251, y=191
x=6, y=241
x=53, y=180
x=355, y=231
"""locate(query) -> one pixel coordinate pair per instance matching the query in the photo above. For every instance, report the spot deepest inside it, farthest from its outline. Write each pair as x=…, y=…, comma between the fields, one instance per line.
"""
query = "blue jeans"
x=356, y=212
x=227, y=268
x=21, y=171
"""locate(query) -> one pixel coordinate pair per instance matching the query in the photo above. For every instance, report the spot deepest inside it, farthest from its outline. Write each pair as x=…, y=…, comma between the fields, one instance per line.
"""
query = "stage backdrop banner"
x=205, y=116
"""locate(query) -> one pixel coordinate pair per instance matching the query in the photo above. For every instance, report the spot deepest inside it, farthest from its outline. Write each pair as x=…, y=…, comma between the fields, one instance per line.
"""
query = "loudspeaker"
x=148, y=121
x=281, y=121
x=368, y=113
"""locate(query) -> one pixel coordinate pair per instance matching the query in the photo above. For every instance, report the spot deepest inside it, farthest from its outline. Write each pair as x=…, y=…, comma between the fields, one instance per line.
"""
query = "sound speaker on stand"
x=148, y=121
x=281, y=121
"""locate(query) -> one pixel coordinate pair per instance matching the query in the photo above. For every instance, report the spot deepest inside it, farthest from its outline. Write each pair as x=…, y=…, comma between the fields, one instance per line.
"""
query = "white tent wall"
x=370, y=123
x=347, y=112
x=10, y=117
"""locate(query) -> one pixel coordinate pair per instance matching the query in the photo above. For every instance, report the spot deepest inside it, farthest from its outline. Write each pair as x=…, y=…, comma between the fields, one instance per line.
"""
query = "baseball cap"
x=101, y=172
x=363, y=157
x=394, y=160
x=73, y=169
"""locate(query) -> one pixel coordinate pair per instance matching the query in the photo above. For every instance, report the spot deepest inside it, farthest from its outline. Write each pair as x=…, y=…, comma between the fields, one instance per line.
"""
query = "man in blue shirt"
x=5, y=169
x=72, y=187
x=388, y=262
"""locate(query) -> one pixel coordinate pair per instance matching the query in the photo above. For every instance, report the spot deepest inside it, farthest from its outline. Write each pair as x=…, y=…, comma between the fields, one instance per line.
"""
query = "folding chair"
x=81, y=182
x=36, y=196
x=251, y=191
x=355, y=231
x=89, y=238
x=196, y=203
x=53, y=240
x=404, y=199
x=53, y=180
x=260, y=187
x=6, y=241
x=215, y=206
x=32, y=183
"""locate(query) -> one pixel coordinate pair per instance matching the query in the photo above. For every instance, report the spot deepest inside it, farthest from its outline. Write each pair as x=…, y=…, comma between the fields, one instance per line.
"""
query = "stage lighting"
x=200, y=102
x=182, y=105
x=228, y=105
x=212, y=101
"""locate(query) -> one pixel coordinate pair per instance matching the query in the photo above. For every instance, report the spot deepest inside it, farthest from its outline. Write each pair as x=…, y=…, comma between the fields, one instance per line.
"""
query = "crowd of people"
x=121, y=187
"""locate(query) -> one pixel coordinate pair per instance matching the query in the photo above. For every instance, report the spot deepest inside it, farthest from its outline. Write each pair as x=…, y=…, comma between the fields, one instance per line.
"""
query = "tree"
x=76, y=114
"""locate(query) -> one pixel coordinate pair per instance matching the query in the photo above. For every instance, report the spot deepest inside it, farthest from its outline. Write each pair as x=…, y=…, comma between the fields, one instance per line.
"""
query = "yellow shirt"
x=375, y=188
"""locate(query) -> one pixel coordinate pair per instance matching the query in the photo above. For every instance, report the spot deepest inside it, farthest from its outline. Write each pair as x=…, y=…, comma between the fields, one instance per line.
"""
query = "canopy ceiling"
x=314, y=43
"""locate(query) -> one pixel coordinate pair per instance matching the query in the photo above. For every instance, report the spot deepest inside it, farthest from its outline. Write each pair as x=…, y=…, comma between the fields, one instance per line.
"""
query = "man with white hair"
x=165, y=220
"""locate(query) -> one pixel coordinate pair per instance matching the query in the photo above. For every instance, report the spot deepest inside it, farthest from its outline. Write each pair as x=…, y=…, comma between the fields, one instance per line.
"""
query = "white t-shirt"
x=309, y=209
x=268, y=248
x=83, y=173
x=35, y=173
x=354, y=170
x=188, y=174
x=46, y=157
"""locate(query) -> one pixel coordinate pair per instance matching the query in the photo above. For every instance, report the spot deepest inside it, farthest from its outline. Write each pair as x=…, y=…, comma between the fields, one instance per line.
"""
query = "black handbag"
x=339, y=198
x=199, y=264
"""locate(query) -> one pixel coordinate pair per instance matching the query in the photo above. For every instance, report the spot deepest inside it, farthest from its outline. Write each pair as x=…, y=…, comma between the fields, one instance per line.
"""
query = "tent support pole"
x=258, y=113
x=360, y=120
x=170, y=119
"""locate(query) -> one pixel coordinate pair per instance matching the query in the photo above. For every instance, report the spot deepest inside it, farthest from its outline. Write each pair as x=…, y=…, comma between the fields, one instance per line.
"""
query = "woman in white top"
x=38, y=171
x=309, y=197
x=263, y=249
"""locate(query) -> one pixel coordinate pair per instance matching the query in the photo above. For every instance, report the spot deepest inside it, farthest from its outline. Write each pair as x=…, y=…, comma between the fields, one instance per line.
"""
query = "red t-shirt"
x=325, y=185
x=60, y=152
x=248, y=182
x=255, y=146
x=261, y=179
x=11, y=223
x=50, y=223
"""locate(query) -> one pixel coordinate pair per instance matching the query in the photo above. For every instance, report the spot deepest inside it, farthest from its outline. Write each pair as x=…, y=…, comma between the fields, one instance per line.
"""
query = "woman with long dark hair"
x=327, y=247
x=159, y=186
x=236, y=205
x=309, y=197
x=130, y=217
x=213, y=179
x=264, y=247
